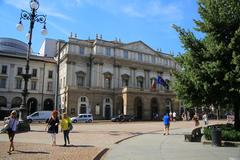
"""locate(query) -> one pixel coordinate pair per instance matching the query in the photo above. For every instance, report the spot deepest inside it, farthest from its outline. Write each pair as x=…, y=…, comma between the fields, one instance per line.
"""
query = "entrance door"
x=107, y=112
x=83, y=109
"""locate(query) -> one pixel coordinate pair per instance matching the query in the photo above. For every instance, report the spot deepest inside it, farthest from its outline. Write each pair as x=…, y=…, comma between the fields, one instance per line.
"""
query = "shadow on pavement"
x=32, y=152
x=84, y=146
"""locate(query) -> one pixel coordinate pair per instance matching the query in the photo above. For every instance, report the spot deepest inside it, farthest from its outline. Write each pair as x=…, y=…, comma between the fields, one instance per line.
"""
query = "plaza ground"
x=88, y=140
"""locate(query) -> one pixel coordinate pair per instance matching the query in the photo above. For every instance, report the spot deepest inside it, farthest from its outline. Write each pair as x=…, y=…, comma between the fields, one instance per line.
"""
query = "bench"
x=195, y=135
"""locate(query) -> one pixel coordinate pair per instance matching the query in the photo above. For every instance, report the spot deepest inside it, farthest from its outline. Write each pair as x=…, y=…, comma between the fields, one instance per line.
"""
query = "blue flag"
x=161, y=81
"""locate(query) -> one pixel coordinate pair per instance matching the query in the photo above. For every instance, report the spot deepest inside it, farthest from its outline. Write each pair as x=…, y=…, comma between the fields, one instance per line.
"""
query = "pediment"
x=139, y=46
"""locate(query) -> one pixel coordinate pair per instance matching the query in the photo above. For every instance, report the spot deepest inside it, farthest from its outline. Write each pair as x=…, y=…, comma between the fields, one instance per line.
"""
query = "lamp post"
x=32, y=17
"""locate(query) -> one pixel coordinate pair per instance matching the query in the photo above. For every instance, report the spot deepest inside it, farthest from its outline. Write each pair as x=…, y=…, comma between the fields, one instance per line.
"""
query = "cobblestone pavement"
x=87, y=139
x=29, y=151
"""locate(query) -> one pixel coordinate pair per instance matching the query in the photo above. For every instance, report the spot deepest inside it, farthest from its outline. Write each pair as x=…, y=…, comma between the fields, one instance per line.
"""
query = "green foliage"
x=210, y=67
x=228, y=133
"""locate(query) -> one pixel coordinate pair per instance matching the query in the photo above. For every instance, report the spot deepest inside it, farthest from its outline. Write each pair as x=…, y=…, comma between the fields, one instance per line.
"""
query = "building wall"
x=101, y=59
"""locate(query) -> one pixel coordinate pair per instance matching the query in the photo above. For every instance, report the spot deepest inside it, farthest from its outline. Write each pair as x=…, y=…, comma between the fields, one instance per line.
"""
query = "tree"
x=210, y=67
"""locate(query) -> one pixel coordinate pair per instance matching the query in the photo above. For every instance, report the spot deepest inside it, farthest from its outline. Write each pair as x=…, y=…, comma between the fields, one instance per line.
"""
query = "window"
x=33, y=85
x=97, y=109
x=107, y=80
x=125, y=54
x=140, y=82
x=50, y=86
x=80, y=79
x=82, y=50
x=140, y=57
x=19, y=71
x=18, y=83
x=50, y=74
x=125, y=80
x=83, y=99
x=153, y=59
x=108, y=51
x=4, y=69
x=107, y=100
x=34, y=72
x=3, y=82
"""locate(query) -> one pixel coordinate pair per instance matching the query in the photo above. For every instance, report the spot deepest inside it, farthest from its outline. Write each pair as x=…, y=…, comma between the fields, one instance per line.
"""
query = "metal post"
x=32, y=17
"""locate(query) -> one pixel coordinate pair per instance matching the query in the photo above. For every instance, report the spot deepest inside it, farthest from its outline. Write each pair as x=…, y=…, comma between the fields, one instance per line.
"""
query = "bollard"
x=216, y=136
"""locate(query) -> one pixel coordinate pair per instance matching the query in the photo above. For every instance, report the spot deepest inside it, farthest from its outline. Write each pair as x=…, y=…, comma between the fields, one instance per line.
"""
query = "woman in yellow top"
x=65, y=127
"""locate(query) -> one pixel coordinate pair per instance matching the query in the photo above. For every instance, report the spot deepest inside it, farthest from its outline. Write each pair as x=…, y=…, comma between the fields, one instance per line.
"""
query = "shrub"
x=228, y=133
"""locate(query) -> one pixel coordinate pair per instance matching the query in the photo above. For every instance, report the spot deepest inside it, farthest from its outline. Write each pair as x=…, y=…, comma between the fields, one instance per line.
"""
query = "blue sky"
x=130, y=20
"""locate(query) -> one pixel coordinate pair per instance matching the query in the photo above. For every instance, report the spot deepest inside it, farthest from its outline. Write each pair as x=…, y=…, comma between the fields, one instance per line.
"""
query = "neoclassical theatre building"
x=107, y=78
x=41, y=86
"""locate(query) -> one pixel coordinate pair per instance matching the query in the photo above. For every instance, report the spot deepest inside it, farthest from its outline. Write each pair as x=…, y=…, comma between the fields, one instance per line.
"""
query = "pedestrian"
x=174, y=116
x=205, y=118
x=184, y=116
x=66, y=126
x=52, y=126
x=196, y=120
x=12, y=128
x=166, y=122
x=170, y=115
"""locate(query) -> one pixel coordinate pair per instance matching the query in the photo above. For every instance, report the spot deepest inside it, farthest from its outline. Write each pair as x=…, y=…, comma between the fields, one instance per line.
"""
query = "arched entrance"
x=107, y=110
x=48, y=104
x=83, y=105
x=16, y=102
x=119, y=104
x=138, y=106
x=32, y=105
x=168, y=106
x=154, y=109
x=3, y=103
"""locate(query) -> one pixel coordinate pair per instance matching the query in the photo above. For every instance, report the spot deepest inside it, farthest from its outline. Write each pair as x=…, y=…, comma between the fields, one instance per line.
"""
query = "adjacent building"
x=41, y=85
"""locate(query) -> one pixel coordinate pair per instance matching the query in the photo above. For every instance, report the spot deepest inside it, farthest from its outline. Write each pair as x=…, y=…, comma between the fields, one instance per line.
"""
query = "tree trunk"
x=236, y=117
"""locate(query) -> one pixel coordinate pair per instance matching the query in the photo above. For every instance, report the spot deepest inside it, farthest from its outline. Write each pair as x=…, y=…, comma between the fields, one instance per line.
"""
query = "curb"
x=101, y=154
x=224, y=143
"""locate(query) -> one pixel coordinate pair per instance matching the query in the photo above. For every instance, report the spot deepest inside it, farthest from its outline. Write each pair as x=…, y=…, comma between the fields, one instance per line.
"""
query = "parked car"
x=82, y=118
x=123, y=118
x=39, y=116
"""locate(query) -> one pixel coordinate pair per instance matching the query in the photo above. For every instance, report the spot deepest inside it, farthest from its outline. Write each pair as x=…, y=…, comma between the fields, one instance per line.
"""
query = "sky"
x=129, y=20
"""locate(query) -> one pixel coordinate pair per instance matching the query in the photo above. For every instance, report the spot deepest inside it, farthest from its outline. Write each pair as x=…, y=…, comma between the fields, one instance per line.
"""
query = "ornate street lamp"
x=32, y=17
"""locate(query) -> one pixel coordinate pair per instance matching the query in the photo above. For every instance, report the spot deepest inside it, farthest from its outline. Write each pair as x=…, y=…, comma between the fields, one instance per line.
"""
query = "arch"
x=154, y=108
x=48, y=104
x=119, y=105
x=32, y=105
x=3, y=101
x=16, y=102
x=107, y=108
x=83, y=105
x=138, y=108
x=168, y=105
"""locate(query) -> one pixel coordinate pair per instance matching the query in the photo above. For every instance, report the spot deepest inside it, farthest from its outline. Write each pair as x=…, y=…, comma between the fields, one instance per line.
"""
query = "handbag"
x=5, y=128
x=70, y=126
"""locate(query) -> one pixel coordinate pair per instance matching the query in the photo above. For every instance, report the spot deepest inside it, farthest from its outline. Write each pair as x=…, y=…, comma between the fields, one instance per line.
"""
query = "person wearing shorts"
x=166, y=122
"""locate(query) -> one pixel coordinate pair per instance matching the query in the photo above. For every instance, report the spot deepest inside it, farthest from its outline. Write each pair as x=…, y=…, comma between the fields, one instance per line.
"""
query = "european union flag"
x=162, y=82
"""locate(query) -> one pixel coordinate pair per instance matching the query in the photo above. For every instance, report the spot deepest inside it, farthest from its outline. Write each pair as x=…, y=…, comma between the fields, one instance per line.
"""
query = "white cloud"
x=57, y=27
x=24, y=4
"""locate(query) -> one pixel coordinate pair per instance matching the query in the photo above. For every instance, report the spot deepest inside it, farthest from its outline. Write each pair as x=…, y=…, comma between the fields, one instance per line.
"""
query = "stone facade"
x=41, y=86
x=107, y=78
